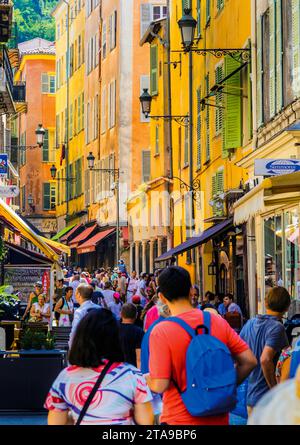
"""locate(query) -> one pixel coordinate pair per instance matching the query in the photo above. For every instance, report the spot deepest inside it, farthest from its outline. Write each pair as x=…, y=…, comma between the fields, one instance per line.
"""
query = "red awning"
x=90, y=245
x=65, y=238
x=82, y=236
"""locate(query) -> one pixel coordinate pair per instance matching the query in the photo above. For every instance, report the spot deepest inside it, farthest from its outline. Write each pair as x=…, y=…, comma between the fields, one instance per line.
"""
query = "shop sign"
x=46, y=282
x=3, y=165
x=275, y=167
x=9, y=191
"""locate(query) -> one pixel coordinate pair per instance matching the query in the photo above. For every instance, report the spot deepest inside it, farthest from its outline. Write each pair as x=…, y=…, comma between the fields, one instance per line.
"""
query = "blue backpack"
x=211, y=376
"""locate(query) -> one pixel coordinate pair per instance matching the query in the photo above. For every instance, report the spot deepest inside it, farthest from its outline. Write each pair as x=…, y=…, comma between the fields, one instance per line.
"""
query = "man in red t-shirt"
x=169, y=344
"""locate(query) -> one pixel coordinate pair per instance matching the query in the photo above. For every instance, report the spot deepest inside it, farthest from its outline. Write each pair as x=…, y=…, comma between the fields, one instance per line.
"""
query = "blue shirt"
x=261, y=331
x=145, y=347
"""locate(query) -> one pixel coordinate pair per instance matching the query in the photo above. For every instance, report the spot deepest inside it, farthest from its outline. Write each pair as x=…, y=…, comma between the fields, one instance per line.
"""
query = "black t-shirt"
x=131, y=337
x=138, y=321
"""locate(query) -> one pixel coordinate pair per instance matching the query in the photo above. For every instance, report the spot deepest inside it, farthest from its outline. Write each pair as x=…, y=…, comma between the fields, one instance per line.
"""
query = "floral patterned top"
x=122, y=388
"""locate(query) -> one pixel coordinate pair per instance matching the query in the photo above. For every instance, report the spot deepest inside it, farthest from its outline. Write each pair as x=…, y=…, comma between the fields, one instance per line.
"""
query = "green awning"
x=63, y=232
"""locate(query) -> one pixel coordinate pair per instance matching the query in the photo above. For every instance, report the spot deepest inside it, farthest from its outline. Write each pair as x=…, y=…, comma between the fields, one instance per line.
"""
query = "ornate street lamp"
x=146, y=100
x=53, y=171
x=31, y=202
x=187, y=25
x=40, y=133
x=91, y=161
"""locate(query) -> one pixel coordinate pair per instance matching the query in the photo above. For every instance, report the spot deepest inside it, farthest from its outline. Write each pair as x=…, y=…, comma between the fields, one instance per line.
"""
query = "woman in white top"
x=65, y=307
x=40, y=311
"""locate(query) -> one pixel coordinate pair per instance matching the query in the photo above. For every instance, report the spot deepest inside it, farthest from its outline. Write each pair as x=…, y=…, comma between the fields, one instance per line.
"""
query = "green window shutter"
x=46, y=147
x=296, y=45
x=71, y=122
x=207, y=11
x=52, y=84
x=78, y=175
x=45, y=83
x=70, y=186
x=186, y=145
x=186, y=4
x=198, y=128
x=79, y=114
x=66, y=124
x=279, y=56
x=220, y=181
x=219, y=110
x=199, y=18
x=207, y=121
x=249, y=89
x=272, y=58
x=46, y=196
x=157, y=140
x=58, y=188
x=82, y=111
x=154, y=70
x=220, y=4
x=214, y=191
x=259, y=82
x=233, y=106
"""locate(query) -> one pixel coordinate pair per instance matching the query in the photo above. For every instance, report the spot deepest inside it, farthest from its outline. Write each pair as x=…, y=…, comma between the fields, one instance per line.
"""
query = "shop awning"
x=90, y=245
x=191, y=243
x=63, y=232
x=283, y=189
x=65, y=238
x=18, y=255
x=10, y=215
x=83, y=236
x=57, y=247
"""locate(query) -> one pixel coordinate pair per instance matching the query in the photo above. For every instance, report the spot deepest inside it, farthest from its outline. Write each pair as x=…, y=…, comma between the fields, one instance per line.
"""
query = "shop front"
x=271, y=215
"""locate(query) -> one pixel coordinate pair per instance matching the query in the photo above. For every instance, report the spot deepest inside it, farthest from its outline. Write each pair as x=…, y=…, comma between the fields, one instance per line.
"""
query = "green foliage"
x=34, y=19
x=3, y=250
x=7, y=301
x=37, y=340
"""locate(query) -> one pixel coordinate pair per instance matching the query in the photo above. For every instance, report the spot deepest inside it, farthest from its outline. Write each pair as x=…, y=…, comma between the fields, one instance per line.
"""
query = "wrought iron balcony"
x=19, y=92
x=6, y=83
x=6, y=12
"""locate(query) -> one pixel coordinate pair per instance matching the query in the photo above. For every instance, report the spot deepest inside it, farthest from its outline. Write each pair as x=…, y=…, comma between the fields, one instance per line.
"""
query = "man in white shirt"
x=132, y=287
x=83, y=296
x=108, y=293
x=74, y=283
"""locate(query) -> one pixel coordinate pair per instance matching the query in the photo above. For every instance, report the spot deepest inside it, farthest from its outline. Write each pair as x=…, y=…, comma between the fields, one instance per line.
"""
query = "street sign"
x=275, y=167
x=3, y=165
x=9, y=191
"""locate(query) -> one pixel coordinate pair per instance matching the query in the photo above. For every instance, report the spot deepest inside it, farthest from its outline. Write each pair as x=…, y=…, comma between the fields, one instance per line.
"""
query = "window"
x=158, y=12
x=154, y=70
x=78, y=175
x=207, y=121
x=219, y=110
x=157, y=140
x=23, y=150
x=112, y=31
x=57, y=131
x=207, y=12
x=296, y=47
x=71, y=122
x=79, y=114
x=217, y=189
x=58, y=31
x=82, y=111
x=49, y=196
x=146, y=163
x=79, y=52
x=104, y=40
x=186, y=146
x=23, y=195
x=87, y=127
x=96, y=45
x=75, y=117
x=145, y=18
x=220, y=4
x=198, y=128
x=199, y=18
x=112, y=104
x=96, y=116
x=48, y=83
x=103, y=111
x=46, y=147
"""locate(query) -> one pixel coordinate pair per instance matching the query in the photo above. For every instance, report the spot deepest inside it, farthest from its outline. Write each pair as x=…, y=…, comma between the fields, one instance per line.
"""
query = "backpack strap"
x=183, y=324
x=207, y=320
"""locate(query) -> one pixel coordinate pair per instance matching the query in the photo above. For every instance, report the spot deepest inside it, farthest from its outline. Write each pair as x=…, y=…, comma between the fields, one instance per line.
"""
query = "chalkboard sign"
x=23, y=278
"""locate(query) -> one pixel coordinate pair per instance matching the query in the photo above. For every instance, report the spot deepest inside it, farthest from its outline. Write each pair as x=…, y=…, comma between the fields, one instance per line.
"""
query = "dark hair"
x=175, y=283
x=85, y=290
x=129, y=311
x=229, y=295
x=68, y=288
x=278, y=299
x=210, y=295
x=96, y=338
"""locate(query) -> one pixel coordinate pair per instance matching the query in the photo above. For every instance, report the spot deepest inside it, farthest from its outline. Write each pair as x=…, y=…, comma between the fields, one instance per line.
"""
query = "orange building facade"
x=38, y=190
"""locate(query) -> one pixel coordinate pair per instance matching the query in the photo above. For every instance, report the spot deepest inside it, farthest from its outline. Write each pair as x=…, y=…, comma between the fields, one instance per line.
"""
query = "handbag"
x=93, y=392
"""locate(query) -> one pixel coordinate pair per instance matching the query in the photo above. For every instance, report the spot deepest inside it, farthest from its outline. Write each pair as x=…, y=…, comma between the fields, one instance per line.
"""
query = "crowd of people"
x=129, y=343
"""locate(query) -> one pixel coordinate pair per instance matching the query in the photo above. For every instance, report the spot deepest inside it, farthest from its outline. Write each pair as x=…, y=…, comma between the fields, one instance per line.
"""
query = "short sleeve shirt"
x=168, y=346
x=261, y=331
x=122, y=388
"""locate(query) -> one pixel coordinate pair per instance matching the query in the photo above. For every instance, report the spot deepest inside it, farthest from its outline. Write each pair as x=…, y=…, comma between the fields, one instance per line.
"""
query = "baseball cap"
x=117, y=295
x=39, y=284
x=136, y=299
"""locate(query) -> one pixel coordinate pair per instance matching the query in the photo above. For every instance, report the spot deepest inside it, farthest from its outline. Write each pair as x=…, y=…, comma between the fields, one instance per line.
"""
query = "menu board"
x=23, y=278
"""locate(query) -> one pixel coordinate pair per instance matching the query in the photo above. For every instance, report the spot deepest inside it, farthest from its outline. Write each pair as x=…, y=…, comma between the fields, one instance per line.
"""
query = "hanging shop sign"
x=275, y=167
x=9, y=191
x=3, y=165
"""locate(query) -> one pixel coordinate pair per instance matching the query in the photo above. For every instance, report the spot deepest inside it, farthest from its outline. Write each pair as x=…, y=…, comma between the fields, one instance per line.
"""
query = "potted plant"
x=8, y=304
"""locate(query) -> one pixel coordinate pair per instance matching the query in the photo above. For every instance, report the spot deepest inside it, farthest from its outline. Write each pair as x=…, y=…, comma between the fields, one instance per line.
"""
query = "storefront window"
x=292, y=240
x=273, y=252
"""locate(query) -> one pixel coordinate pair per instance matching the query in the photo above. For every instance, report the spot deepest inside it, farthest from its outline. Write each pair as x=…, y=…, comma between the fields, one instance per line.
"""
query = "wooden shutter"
x=45, y=83
x=146, y=160
x=207, y=10
x=249, y=89
x=198, y=18
x=272, y=59
x=79, y=114
x=104, y=40
x=109, y=32
x=279, y=56
x=207, y=121
x=233, y=106
x=103, y=110
x=296, y=46
x=186, y=145
x=214, y=190
x=220, y=181
x=157, y=140
x=259, y=83
x=46, y=196
x=71, y=121
x=82, y=111
x=154, y=70
x=46, y=147
x=219, y=110
x=145, y=17
x=109, y=104
x=198, y=128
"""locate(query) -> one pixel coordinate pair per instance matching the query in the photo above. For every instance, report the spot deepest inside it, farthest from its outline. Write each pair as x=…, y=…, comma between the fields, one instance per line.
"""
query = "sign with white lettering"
x=9, y=191
x=275, y=167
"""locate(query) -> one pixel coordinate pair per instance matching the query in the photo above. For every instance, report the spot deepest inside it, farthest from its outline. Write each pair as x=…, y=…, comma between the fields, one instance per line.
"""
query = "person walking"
x=132, y=287
x=116, y=306
x=121, y=395
x=169, y=344
x=131, y=335
x=65, y=307
x=233, y=313
x=108, y=293
x=84, y=293
x=266, y=337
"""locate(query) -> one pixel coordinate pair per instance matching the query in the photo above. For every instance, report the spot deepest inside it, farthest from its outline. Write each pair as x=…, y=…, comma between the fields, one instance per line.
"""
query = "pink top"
x=151, y=316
